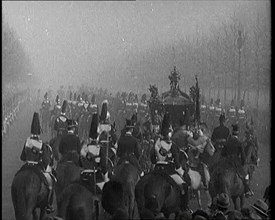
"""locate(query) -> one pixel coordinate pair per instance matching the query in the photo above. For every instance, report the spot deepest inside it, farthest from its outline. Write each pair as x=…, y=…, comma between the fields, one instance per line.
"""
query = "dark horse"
x=29, y=191
x=79, y=201
x=155, y=193
x=125, y=177
x=226, y=179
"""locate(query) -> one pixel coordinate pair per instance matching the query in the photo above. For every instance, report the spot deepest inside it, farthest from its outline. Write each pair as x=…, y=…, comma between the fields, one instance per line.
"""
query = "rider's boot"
x=184, y=198
x=247, y=191
x=49, y=207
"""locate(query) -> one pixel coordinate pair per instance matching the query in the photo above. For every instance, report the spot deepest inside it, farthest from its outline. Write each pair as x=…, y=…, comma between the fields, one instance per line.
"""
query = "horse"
x=127, y=176
x=79, y=201
x=154, y=193
x=29, y=190
x=226, y=179
x=66, y=172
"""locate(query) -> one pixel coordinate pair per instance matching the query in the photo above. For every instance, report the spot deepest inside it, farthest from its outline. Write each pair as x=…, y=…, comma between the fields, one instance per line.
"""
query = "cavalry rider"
x=32, y=155
x=211, y=106
x=197, y=144
x=220, y=134
x=60, y=124
x=232, y=112
x=218, y=108
x=46, y=104
x=92, y=157
x=128, y=148
x=136, y=131
x=93, y=108
x=104, y=118
x=241, y=111
x=57, y=106
x=143, y=106
x=166, y=157
x=69, y=146
x=233, y=150
x=129, y=104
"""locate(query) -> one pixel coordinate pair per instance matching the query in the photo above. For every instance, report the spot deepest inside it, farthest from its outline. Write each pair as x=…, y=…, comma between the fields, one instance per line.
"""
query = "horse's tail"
x=112, y=196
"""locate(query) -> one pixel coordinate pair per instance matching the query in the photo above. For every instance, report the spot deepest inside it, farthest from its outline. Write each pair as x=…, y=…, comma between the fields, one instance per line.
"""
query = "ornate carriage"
x=174, y=101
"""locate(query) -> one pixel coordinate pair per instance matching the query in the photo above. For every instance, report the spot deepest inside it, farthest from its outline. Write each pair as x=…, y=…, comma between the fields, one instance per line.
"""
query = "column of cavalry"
x=151, y=165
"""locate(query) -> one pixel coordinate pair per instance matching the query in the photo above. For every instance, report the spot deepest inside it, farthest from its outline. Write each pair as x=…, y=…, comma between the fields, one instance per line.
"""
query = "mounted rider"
x=212, y=107
x=220, y=134
x=32, y=155
x=137, y=130
x=234, y=152
x=241, y=111
x=143, y=106
x=46, y=104
x=57, y=106
x=232, y=111
x=165, y=156
x=93, y=108
x=128, y=147
x=60, y=124
x=218, y=108
x=92, y=157
x=69, y=146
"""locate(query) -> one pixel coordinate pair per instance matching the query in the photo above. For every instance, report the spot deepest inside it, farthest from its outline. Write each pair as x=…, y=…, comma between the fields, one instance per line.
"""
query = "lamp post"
x=240, y=43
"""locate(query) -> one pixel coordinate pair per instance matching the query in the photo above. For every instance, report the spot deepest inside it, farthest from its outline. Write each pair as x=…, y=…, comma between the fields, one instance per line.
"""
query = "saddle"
x=36, y=168
x=166, y=171
x=87, y=180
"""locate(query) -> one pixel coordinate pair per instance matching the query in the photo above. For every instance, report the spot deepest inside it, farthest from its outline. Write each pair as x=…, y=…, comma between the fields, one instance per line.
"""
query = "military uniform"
x=234, y=152
x=128, y=148
x=220, y=134
x=69, y=146
x=165, y=156
x=60, y=125
x=93, y=157
x=32, y=154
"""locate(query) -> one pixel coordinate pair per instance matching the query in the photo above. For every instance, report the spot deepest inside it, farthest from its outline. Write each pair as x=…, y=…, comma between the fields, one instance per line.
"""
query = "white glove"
x=180, y=171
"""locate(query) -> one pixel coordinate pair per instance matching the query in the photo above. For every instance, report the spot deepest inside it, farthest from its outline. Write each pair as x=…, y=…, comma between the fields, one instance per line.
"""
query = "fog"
x=107, y=43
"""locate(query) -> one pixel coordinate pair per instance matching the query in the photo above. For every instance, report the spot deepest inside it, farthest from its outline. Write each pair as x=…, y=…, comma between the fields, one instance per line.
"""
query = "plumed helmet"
x=103, y=115
x=64, y=106
x=235, y=129
x=93, y=98
x=94, y=126
x=57, y=99
x=46, y=95
x=165, y=126
x=222, y=118
x=35, y=127
x=134, y=118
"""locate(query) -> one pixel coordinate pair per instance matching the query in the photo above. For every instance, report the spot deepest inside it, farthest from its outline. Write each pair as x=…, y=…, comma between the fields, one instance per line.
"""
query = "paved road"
x=12, y=146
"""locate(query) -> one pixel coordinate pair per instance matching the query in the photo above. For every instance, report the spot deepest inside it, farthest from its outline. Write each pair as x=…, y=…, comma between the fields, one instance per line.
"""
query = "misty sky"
x=77, y=42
